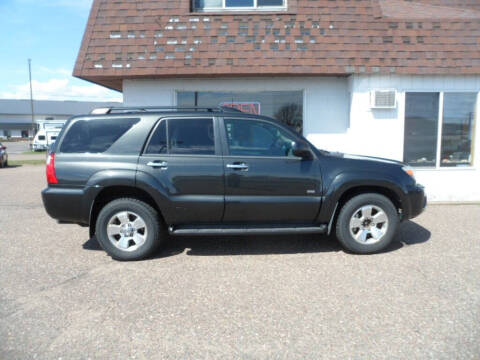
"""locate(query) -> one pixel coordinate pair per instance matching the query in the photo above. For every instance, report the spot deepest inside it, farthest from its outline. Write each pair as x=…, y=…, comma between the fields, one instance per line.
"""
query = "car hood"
x=366, y=158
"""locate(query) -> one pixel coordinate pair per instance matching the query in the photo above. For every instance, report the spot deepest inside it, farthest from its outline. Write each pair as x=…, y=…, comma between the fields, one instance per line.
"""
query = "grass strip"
x=26, y=162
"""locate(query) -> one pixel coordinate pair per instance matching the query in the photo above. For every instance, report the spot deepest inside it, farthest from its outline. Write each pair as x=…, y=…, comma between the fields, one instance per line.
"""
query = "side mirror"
x=302, y=150
x=3, y=148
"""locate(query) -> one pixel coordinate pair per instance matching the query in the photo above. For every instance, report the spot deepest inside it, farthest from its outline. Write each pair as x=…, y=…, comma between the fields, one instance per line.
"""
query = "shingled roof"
x=163, y=38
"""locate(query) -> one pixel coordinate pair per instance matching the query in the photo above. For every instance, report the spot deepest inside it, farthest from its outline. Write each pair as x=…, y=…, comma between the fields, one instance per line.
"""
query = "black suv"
x=135, y=175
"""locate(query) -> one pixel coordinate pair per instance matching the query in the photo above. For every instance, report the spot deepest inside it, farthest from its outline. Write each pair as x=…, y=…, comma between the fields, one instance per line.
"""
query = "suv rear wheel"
x=367, y=223
x=129, y=229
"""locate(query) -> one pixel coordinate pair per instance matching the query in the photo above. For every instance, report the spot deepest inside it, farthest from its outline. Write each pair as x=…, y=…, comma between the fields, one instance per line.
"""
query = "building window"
x=219, y=5
x=439, y=129
x=459, y=110
x=285, y=106
x=421, y=124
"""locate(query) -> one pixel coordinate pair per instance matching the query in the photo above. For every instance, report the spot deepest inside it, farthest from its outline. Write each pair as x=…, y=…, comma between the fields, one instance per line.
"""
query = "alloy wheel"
x=127, y=231
x=368, y=224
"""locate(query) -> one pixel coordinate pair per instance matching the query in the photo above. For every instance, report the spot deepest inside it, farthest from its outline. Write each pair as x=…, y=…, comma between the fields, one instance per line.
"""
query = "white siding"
x=380, y=132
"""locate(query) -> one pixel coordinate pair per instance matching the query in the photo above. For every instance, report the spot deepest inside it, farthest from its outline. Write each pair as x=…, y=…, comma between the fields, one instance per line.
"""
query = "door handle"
x=238, y=166
x=158, y=164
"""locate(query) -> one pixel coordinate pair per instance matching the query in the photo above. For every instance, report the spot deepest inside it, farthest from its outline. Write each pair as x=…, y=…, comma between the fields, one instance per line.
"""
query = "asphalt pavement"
x=283, y=297
x=16, y=147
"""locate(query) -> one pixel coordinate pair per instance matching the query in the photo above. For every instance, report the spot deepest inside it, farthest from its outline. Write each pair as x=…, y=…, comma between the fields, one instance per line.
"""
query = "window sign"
x=246, y=107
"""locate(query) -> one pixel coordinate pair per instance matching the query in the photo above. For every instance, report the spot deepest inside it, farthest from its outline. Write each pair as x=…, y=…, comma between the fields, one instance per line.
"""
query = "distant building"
x=16, y=118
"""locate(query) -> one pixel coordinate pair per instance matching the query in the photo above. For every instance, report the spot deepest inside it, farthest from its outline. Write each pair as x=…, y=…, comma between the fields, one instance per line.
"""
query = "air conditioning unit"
x=383, y=99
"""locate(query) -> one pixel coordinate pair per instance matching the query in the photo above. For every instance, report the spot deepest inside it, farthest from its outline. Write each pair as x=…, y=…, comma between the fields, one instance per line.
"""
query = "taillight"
x=51, y=177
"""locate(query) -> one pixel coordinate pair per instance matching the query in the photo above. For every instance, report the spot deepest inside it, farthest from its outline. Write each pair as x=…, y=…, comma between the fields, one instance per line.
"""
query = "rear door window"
x=158, y=141
x=95, y=136
x=192, y=136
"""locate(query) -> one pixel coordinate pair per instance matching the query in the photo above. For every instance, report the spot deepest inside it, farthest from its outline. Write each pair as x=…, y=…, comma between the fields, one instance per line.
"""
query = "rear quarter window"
x=95, y=136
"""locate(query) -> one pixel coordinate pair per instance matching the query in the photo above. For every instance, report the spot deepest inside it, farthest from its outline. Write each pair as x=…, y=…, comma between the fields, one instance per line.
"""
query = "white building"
x=396, y=79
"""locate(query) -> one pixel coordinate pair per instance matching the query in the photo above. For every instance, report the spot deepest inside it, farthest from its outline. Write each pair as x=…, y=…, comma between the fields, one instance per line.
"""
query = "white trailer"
x=47, y=134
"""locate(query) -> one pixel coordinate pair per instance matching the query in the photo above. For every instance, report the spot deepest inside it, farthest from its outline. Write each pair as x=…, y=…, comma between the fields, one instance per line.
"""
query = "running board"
x=246, y=229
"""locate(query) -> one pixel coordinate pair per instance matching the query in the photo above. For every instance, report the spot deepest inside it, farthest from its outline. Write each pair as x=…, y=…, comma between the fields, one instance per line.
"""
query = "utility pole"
x=31, y=96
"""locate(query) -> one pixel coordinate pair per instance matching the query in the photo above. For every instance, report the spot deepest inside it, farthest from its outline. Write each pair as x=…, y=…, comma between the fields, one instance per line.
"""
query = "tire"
x=367, y=223
x=135, y=230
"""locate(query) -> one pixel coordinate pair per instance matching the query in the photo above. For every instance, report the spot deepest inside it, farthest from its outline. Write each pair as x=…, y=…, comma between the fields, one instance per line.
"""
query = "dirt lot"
x=266, y=297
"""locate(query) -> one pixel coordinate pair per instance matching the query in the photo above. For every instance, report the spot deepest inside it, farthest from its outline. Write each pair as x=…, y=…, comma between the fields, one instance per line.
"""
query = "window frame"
x=255, y=7
x=438, y=155
x=226, y=148
x=216, y=139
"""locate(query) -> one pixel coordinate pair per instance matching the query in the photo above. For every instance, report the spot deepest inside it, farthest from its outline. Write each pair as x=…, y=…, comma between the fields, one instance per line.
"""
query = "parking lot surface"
x=286, y=297
x=16, y=147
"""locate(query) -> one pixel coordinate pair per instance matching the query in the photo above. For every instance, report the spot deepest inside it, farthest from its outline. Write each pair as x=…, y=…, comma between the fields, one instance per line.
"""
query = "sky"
x=49, y=32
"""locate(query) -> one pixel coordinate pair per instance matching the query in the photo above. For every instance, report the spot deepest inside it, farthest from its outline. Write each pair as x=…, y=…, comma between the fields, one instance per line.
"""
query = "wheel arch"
x=113, y=192
x=353, y=191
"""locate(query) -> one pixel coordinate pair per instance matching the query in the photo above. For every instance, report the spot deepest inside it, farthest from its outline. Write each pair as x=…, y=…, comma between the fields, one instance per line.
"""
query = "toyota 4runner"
x=136, y=175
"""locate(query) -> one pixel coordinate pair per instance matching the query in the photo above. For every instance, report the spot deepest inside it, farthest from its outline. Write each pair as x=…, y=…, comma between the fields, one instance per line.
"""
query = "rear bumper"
x=66, y=204
x=38, y=147
x=416, y=202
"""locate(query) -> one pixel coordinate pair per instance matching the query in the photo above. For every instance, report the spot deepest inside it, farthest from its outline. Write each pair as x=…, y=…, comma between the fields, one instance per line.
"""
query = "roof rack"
x=128, y=109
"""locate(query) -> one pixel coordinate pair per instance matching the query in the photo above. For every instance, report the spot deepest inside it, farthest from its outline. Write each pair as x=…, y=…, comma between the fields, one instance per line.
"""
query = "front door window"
x=257, y=138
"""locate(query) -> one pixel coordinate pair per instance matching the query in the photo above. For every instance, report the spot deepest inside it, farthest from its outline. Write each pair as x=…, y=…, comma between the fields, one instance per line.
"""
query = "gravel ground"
x=265, y=297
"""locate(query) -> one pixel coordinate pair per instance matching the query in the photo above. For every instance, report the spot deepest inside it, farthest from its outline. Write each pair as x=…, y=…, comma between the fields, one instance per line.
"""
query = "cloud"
x=58, y=71
x=61, y=89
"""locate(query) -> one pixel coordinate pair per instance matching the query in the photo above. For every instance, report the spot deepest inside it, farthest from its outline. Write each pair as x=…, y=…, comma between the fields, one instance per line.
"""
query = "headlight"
x=409, y=171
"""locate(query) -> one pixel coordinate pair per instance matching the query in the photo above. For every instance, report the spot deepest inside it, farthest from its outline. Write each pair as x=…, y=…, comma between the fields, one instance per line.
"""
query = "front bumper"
x=416, y=202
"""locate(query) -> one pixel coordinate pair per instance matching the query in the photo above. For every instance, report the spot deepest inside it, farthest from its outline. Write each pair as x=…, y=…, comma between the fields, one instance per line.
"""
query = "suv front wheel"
x=129, y=229
x=367, y=223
